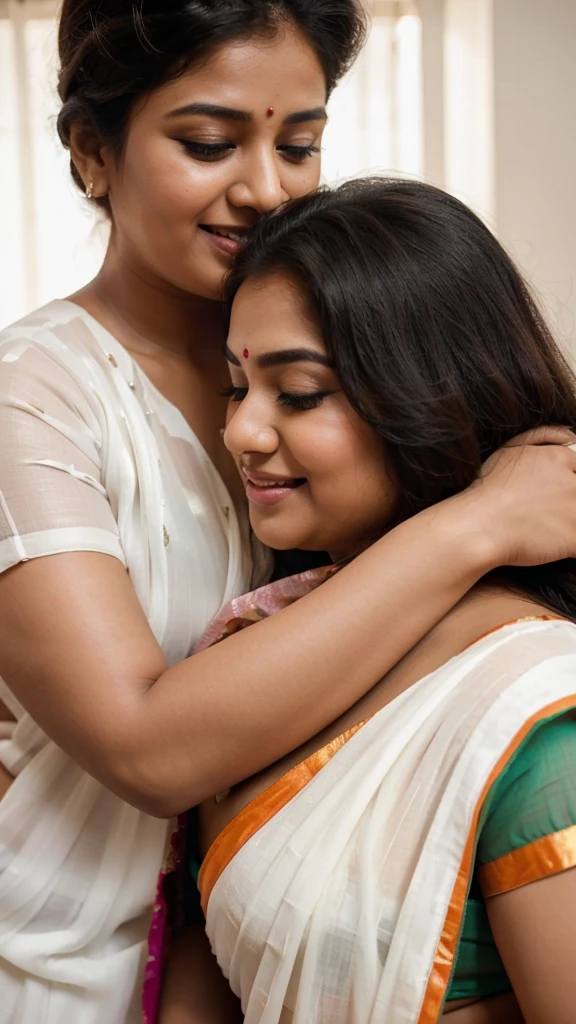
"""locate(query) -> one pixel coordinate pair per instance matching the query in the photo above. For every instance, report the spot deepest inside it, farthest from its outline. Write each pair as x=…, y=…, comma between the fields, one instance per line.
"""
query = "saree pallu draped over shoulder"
x=338, y=894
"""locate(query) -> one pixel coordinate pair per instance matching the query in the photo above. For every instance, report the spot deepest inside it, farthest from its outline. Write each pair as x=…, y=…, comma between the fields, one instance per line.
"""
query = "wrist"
x=459, y=530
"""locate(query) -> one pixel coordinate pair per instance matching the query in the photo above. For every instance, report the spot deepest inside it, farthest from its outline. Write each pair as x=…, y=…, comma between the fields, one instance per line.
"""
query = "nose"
x=259, y=186
x=249, y=429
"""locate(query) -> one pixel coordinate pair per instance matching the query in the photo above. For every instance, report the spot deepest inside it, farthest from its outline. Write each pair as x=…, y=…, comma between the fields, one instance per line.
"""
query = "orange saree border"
x=263, y=807
x=440, y=974
x=260, y=810
x=544, y=857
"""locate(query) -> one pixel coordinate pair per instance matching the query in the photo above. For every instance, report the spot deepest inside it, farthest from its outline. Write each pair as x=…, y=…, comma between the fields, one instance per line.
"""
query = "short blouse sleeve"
x=52, y=498
x=529, y=831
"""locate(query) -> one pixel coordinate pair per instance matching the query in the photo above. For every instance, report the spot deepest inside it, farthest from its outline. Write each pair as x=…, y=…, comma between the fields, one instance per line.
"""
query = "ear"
x=90, y=159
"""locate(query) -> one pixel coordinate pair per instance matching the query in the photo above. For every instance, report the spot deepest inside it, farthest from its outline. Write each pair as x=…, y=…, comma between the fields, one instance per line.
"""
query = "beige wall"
x=510, y=133
x=534, y=55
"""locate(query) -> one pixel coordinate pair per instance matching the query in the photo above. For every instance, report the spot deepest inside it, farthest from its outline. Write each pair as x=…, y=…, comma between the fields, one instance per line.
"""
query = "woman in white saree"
x=415, y=857
x=123, y=526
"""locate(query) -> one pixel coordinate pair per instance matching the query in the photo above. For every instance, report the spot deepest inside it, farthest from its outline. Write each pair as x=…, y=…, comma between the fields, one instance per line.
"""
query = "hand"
x=525, y=499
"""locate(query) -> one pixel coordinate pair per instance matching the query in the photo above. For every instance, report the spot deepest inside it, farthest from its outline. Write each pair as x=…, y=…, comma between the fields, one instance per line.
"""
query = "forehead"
x=273, y=313
x=282, y=71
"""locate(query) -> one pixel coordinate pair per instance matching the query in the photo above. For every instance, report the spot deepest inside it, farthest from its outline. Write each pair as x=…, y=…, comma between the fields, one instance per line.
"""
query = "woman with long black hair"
x=416, y=858
x=122, y=523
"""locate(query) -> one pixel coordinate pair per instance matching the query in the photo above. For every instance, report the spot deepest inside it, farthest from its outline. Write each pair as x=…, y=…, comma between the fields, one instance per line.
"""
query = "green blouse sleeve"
x=529, y=821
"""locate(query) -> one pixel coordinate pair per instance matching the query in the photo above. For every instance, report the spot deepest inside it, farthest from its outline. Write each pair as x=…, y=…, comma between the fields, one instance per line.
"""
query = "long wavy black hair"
x=435, y=337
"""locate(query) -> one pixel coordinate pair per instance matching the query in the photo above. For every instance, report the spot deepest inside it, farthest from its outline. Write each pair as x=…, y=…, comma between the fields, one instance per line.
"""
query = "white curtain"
x=51, y=241
x=376, y=113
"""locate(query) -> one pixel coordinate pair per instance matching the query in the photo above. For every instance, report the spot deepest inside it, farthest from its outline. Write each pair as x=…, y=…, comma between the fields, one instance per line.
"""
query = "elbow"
x=156, y=805
x=155, y=790
x=157, y=797
x=148, y=775
x=160, y=804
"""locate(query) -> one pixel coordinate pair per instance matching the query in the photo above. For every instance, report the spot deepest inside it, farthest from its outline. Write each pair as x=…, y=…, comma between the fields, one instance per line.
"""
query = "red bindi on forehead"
x=270, y=112
x=246, y=353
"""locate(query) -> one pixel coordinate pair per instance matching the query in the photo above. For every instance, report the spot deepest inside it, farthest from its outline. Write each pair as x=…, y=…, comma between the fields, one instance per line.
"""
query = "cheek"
x=316, y=446
x=297, y=182
x=347, y=467
x=333, y=441
x=164, y=183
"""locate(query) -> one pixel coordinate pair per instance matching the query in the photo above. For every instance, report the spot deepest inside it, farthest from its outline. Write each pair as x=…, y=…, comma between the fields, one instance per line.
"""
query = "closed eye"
x=207, y=150
x=298, y=154
x=299, y=402
x=302, y=402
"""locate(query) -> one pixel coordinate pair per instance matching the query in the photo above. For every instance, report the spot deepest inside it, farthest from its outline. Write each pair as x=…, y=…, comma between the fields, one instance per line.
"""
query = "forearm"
x=77, y=651
x=194, y=990
x=240, y=705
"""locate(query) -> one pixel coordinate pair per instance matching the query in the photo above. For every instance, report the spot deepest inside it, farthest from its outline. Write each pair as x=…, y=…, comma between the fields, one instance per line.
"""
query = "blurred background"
x=477, y=96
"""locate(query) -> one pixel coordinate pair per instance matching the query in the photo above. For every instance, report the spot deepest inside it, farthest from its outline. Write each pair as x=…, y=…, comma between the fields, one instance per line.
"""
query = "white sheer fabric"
x=346, y=905
x=93, y=458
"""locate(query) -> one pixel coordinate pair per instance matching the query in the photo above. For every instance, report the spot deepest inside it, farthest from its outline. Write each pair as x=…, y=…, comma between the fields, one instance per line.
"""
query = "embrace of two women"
x=287, y=536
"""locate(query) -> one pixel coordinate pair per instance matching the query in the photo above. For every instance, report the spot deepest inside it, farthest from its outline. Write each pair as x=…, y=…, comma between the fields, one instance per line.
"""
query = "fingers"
x=551, y=434
x=560, y=453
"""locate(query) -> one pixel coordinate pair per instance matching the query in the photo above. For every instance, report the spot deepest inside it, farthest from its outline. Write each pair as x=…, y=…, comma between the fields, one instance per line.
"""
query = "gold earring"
x=90, y=191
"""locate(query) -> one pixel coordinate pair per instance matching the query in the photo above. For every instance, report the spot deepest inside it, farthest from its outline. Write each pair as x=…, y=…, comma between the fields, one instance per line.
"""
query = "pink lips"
x=218, y=235
x=227, y=245
x=264, y=489
x=267, y=495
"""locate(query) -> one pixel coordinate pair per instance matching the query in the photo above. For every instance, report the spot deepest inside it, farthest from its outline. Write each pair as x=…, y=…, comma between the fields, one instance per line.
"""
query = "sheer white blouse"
x=94, y=458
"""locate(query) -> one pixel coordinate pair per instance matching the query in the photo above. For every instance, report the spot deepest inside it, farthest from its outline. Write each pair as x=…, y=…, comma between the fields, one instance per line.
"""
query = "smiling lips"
x=263, y=489
x=227, y=238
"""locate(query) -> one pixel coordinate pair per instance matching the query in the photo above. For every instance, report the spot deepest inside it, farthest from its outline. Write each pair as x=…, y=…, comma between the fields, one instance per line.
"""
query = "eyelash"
x=299, y=403
x=206, y=150
x=215, y=150
x=300, y=153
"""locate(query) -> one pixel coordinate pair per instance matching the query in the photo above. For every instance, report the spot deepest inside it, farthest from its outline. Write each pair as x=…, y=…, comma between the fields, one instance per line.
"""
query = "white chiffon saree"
x=337, y=895
x=94, y=458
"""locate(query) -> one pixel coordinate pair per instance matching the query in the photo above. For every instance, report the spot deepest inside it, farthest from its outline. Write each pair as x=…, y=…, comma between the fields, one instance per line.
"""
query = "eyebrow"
x=316, y=114
x=243, y=116
x=284, y=357
x=212, y=110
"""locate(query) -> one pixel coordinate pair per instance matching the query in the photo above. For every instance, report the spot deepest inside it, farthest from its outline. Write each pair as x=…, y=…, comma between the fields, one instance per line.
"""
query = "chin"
x=270, y=540
x=209, y=284
x=280, y=540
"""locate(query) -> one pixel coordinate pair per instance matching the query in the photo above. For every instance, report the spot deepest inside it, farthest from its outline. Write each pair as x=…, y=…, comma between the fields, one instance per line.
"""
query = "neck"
x=148, y=315
x=487, y=606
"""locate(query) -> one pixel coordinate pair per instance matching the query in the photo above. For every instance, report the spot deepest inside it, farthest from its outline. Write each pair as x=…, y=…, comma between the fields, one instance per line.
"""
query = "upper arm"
x=52, y=497
x=535, y=930
x=502, y=1009
x=76, y=651
x=528, y=846
x=74, y=641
